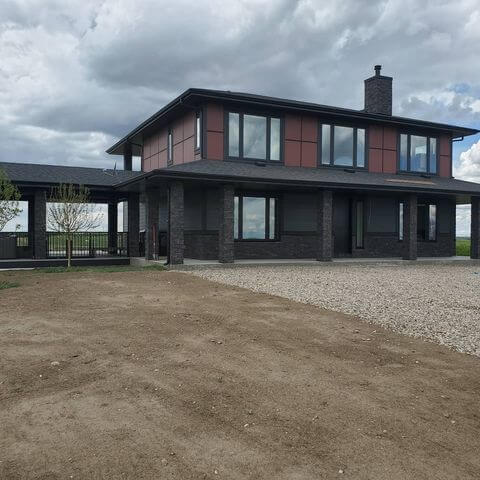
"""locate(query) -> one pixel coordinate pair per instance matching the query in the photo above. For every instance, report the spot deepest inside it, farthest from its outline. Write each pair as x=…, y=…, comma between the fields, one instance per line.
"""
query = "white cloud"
x=468, y=166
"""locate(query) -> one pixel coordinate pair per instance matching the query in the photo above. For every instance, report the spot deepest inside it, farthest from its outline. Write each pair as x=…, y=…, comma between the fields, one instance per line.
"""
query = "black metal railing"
x=86, y=244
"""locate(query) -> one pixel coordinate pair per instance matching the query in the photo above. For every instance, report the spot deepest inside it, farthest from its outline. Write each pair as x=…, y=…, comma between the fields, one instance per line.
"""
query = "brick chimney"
x=378, y=93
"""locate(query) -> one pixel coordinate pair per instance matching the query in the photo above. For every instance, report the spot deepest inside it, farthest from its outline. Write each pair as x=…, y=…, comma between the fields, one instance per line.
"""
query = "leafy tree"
x=70, y=212
x=9, y=200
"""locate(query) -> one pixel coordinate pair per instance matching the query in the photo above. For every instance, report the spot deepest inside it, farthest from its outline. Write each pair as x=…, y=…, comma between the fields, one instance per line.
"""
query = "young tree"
x=70, y=212
x=9, y=198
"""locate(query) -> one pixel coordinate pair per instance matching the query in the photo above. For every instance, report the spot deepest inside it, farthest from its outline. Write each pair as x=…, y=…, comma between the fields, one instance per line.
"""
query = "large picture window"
x=417, y=154
x=343, y=146
x=255, y=217
x=254, y=137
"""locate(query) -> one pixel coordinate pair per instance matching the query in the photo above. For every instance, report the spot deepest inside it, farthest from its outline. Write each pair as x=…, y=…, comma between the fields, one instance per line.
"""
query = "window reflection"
x=233, y=134
x=275, y=139
x=360, y=147
x=418, y=153
x=253, y=220
x=254, y=136
x=343, y=146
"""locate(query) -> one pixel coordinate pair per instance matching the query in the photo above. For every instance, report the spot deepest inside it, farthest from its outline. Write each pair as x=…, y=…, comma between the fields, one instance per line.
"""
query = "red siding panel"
x=389, y=138
x=444, y=145
x=444, y=167
x=163, y=139
x=293, y=127
x=375, y=137
x=309, y=129
x=178, y=153
x=162, y=159
x=309, y=154
x=189, y=150
x=375, y=160
x=215, y=117
x=189, y=125
x=214, y=146
x=389, y=161
x=292, y=153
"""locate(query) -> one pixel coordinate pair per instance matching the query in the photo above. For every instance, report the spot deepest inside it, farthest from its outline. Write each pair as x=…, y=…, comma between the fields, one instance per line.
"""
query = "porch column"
x=410, y=212
x=133, y=225
x=127, y=156
x=152, y=202
x=112, y=227
x=39, y=223
x=475, y=229
x=175, y=223
x=324, y=225
x=225, y=228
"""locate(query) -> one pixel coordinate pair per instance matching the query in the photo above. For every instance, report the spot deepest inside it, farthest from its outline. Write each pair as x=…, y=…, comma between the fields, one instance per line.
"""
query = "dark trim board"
x=62, y=262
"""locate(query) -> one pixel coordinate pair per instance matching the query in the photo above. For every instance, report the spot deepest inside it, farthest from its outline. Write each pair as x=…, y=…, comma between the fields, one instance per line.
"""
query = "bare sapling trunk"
x=70, y=213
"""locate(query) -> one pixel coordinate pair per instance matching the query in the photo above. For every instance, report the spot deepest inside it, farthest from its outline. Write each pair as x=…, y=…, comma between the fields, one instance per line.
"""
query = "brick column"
x=225, y=228
x=410, y=213
x=175, y=223
x=324, y=225
x=151, y=224
x=475, y=229
x=112, y=227
x=39, y=223
x=133, y=225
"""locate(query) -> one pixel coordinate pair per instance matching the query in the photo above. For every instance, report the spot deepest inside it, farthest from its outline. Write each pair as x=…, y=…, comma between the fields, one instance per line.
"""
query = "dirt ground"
x=163, y=375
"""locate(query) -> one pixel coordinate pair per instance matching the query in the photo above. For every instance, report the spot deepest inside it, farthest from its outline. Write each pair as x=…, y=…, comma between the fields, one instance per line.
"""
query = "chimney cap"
x=378, y=68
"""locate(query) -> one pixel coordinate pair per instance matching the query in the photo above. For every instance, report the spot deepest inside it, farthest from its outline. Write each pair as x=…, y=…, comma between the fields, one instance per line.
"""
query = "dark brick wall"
x=176, y=223
x=133, y=213
x=410, y=227
x=152, y=201
x=324, y=225
x=40, y=224
x=475, y=231
x=378, y=94
x=225, y=230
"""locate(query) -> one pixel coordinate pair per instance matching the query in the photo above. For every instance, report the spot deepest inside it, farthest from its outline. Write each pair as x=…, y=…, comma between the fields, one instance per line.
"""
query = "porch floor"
x=192, y=264
x=28, y=263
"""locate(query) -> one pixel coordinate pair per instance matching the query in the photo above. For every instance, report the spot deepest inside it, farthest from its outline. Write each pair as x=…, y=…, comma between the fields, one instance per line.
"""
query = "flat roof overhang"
x=192, y=97
x=159, y=179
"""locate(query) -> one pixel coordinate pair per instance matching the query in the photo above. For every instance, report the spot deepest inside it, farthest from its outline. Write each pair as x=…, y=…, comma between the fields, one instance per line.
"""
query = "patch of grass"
x=100, y=269
x=4, y=284
x=463, y=246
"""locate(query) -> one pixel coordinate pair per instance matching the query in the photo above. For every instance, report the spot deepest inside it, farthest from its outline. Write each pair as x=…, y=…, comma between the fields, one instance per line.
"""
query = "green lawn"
x=463, y=246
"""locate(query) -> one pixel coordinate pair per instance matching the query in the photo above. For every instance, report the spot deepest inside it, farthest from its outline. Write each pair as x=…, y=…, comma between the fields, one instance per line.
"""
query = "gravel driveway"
x=437, y=302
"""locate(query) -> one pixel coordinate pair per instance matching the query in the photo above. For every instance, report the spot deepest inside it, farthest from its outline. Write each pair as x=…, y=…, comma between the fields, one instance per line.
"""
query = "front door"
x=342, y=226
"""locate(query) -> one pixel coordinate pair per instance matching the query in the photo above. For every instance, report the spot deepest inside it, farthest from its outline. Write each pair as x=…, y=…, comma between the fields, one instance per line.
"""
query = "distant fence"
x=86, y=244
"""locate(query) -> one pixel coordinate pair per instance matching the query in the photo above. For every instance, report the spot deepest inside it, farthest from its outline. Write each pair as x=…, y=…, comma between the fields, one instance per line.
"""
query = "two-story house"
x=238, y=176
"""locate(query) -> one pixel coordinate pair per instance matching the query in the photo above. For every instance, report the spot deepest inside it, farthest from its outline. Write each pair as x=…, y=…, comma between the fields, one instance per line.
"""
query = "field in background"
x=463, y=246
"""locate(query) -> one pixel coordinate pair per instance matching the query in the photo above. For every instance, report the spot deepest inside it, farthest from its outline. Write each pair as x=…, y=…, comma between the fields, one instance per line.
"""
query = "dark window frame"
x=259, y=113
x=426, y=220
x=267, y=197
x=332, y=145
x=170, y=146
x=198, y=134
x=409, y=134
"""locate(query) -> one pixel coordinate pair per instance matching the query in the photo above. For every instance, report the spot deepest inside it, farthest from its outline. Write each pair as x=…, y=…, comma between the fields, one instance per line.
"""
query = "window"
x=255, y=218
x=400, y=221
x=418, y=154
x=198, y=131
x=254, y=137
x=426, y=221
x=343, y=146
x=359, y=223
x=170, y=147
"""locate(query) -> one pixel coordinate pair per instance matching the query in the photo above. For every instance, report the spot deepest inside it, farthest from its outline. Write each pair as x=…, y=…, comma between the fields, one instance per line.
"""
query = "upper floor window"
x=418, y=154
x=170, y=147
x=254, y=137
x=343, y=146
x=198, y=130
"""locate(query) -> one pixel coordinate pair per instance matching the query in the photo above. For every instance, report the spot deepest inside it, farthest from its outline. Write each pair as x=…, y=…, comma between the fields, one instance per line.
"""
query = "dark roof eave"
x=166, y=174
x=291, y=105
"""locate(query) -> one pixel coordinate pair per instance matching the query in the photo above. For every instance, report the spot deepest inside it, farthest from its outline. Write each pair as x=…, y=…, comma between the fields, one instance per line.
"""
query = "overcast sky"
x=75, y=75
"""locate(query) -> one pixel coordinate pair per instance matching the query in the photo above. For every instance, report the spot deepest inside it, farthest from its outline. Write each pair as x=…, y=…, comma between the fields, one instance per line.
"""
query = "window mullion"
x=267, y=218
x=267, y=150
x=332, y=138
x=354, y=159
x=240, y=135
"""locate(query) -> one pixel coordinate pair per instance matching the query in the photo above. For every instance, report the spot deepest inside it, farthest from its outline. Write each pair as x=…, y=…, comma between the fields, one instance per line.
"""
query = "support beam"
x=112, y=227
x=175, y=223
x=152, y=204
x=127, y=157
x=475, y=229
x=225, y=229
x=324, y=225
x=410, y=213
x=39, y=211
x=133, y=225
